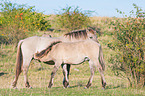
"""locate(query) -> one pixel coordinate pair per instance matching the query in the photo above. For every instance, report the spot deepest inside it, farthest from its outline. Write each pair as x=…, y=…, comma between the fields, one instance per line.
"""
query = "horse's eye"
x=91, y=37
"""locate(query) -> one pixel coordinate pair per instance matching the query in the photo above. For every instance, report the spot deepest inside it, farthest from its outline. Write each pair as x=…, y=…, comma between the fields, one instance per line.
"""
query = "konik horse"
x=74, y=53
x=29, y=46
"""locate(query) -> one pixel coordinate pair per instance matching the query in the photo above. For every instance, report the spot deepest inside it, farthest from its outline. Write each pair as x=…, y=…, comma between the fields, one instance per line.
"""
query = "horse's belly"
x=50, y=62
x=74, y=60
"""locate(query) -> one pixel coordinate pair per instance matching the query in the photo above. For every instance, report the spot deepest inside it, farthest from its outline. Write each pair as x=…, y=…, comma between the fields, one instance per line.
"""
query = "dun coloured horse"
x=29, y=46
x=74, y=53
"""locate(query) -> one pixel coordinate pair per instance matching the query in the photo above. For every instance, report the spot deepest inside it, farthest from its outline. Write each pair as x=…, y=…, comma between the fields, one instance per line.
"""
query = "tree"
x=129, y=43
x=16, y=20
x=72, y=18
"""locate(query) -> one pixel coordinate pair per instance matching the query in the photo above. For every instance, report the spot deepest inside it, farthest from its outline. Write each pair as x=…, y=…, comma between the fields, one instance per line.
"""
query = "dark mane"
x=77, y=34
x=45, y=51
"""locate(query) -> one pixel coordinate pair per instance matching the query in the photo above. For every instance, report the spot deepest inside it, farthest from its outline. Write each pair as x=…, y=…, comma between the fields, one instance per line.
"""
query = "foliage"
x=16, y=20
x=72, y=18
x=129, y=43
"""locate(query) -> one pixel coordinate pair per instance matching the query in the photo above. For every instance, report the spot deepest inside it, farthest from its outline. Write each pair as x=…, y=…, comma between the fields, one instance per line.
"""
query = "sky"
x=102, y=8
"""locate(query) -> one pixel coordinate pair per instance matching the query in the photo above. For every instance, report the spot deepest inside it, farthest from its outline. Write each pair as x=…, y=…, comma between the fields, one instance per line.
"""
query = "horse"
x=75, y=36
x=74, y=53
x=28, y=47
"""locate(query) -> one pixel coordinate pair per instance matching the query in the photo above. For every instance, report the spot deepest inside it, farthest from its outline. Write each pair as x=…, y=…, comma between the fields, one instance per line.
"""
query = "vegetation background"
x=122, y=41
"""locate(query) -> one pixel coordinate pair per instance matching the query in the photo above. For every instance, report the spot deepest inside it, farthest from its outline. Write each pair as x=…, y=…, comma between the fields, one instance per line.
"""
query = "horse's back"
x=35, y=44
x=75, y=51
x=80, y=46
x=30, y=42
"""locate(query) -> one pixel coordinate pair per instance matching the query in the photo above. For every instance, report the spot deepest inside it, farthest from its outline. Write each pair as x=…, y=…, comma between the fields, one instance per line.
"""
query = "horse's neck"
x=55, y=39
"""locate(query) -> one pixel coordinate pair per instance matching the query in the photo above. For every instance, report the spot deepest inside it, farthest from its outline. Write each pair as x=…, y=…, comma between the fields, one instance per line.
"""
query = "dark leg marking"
x=52, y=76
x=88, y=85
x=27, y=84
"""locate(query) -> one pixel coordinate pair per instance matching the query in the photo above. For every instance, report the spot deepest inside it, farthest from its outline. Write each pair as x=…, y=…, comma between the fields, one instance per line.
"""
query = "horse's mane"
x=77, y=34
x=44, y=52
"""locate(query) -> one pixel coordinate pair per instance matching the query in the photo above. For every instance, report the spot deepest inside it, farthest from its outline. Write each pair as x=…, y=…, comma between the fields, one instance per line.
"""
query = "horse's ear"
x=87, y=30
x=92, y=30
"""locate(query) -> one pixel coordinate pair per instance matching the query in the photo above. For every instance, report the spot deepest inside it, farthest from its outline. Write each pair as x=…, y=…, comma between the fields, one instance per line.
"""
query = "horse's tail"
x=101, y=59
x=19, y=59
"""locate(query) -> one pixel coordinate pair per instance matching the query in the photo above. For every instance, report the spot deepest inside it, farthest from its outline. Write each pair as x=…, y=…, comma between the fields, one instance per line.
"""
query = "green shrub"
x=129, y=43
x=72, y=18
x=16, y=20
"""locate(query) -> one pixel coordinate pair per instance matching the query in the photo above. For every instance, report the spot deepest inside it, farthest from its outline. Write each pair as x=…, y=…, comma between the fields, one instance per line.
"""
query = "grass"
x=39, y=74
x=77, y=91
x=72, y=91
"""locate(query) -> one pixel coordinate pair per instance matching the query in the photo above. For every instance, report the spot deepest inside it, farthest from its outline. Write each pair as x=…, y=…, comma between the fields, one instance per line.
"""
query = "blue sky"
x=101, y=7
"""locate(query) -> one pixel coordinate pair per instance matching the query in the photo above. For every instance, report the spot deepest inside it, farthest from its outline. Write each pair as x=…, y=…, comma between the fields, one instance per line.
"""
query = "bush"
x=129, y=43
x=72, y=18
x=16, y=20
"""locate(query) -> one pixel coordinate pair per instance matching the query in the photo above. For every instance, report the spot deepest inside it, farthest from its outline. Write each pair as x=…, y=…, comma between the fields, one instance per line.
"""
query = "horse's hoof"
x=65, y=84
x=85, y=88
x=15, y=88
x=68, y=86
x=103, y=88
x=30, y=87
x=49, y=86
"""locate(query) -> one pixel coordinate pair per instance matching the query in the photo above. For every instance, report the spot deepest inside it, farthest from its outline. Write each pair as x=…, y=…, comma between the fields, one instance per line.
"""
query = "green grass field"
x=39, y=75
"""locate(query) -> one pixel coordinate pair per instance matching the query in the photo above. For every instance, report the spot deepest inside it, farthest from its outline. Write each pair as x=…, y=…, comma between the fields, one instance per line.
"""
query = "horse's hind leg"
x=26, y=64
x=18, y=71
x=102, y=78
x=66, y=69
x=92, y=69
x=102, y=75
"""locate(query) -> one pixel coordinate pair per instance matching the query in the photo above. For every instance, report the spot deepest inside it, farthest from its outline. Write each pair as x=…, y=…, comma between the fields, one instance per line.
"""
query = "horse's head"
x=46, y=35
x=92, y=34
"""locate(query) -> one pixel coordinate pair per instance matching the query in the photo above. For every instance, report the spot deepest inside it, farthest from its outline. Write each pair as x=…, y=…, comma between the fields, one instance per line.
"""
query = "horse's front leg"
x=52, y=75
x=66, y=69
